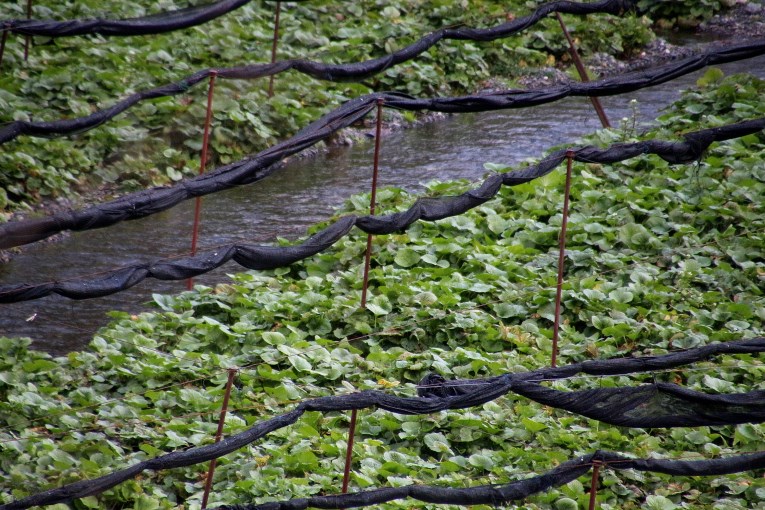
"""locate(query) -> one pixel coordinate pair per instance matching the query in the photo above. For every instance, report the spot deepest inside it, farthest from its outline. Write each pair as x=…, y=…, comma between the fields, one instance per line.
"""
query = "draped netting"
x=426, y=209
x=254, y=168
x=497, y=494
x=647, y=405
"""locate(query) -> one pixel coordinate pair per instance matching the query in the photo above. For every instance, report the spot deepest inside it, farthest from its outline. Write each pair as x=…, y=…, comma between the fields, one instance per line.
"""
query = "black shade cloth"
x=361, y=70
x=427, y=209
x=459, y=395
x=153, y=24
x=649, y=405
x=192, y=16
x=332, y=72
x=498, y=494
x=257, y=167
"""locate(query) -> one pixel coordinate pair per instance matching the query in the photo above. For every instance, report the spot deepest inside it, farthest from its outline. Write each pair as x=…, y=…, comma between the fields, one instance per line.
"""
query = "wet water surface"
x=302, y=193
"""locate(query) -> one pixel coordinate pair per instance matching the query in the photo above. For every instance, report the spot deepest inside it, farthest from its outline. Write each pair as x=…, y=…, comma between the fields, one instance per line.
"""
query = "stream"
x=302, y=193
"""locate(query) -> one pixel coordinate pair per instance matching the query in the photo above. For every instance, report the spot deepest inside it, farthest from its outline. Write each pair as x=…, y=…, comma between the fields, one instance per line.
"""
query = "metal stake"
x=594, y=484
x=273, y=47
x=372, y=200
x=349, y=451
x=561, y=257
x=202, y=164
x=221, y=420
x=583, y=73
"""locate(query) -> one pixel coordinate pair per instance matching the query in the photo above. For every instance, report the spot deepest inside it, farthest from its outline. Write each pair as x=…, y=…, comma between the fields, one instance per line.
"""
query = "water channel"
x=300, y=194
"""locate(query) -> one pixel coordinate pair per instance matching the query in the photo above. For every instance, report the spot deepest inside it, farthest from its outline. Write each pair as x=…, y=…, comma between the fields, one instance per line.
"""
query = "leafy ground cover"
x=159, y=141
x=660, y=258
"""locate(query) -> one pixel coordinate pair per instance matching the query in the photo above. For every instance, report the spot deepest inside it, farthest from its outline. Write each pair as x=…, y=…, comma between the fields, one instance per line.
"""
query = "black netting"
x=192, y=16
x=332, y=72
x=251, y=169
x=499, y=494
x=360, y=70
x=427, y=209
x=436, y=394
x=153, y=24
x=649, y=405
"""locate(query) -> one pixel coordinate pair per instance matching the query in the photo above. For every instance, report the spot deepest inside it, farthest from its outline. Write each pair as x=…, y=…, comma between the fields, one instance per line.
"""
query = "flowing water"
x=302, y=193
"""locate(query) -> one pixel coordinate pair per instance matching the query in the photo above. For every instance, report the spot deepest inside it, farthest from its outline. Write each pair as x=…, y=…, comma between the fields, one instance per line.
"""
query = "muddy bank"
x=743, y=21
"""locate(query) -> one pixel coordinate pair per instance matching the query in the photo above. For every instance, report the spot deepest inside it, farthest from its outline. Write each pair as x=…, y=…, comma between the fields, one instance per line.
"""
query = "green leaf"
x=496, y=167
x=287, y=391
x=90, y=502
x=566, y=504
x=391, y=12
x=175, y=440
x=747, y=432
x=39, y=365
x=437, y=442
x=506, y=310
x=482, y=461
x=634, y=235
x=273, y=338
x=533, y=426
x=195, y=398
x=621, y=295
x=659, y=503
x=712, y=76
x=163, y=301
x=497, y=223
x=144, y=502
x=406, y=257
x=300, y=364
x=379, y=305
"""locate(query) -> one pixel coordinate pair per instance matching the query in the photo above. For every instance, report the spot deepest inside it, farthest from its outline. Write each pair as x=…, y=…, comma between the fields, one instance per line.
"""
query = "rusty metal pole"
x=349, y=451
x=273, y=47
x=372, y=200
x=202, y=164
x=561, y=257
x=583, y=73
x=594, y=484
x=27, y=38
x=221, y=420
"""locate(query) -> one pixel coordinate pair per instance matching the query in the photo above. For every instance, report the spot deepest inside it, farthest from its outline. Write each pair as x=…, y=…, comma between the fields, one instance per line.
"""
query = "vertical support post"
x=349, y=451
x=27, y=38
x=372, y=200
x=594, y=484
x=202, y=164
x=2, y=45
x=561, y=257
x=221, y=420
x=583, y=73
x=273, y=47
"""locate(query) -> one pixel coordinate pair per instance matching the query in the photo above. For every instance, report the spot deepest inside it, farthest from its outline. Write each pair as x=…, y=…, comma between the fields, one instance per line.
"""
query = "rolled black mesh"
x=462, y=394
x=152, y=24
x=269, y=257
x=255, y=168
